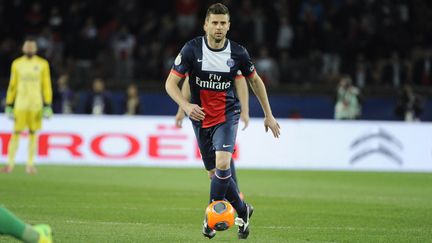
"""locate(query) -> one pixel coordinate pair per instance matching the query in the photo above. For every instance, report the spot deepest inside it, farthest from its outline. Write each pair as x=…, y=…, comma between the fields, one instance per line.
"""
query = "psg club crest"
x=230, y=63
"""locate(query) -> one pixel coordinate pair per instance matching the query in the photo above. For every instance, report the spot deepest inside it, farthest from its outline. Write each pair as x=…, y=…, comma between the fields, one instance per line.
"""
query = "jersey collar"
x=216, y=50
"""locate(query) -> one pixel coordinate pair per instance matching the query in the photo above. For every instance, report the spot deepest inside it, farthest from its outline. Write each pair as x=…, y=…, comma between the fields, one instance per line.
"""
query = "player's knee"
x=223, y=160
x=223, y=164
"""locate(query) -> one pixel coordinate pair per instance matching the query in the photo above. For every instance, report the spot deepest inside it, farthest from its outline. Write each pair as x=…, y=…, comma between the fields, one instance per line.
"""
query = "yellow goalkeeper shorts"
x=28, y=119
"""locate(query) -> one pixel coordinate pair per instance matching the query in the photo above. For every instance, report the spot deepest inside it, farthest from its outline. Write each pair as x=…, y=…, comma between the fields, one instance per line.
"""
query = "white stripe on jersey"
x=215, y=61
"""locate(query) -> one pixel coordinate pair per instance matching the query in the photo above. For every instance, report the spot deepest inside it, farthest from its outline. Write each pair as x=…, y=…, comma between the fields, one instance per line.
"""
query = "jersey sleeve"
x=246, y=67
x=12, y=89
x=46, y=84
x=183, y=62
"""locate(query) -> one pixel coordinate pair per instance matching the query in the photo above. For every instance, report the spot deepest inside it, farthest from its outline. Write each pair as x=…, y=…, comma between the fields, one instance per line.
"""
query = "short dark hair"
x=217, y=8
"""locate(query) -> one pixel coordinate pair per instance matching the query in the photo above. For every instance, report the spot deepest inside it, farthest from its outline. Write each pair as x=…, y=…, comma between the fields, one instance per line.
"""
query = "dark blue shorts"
x=220, y=137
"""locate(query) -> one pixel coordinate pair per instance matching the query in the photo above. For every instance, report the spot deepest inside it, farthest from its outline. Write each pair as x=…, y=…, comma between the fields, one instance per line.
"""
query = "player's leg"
x=13, y=226
x=12, y=149
x=224, y=138
x=208, y=157
x=222, y=178
x=234, y=176
x=19, y=125
x=30, y=168
x=223, y=185
x=233, y=171
x=34, y=123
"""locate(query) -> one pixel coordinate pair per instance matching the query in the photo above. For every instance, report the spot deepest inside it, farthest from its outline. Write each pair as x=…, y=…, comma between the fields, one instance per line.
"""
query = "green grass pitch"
x=134, y=204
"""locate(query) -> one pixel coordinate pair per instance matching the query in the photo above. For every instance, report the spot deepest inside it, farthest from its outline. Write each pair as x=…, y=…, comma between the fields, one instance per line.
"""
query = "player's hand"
x=244, y=117
x=270, y=122
x=9, y=111
x=195, y=112
x=179, y=118
x=47, y=112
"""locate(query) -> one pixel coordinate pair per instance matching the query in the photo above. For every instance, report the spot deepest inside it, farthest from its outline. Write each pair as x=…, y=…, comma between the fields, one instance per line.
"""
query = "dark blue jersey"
x=211, y=76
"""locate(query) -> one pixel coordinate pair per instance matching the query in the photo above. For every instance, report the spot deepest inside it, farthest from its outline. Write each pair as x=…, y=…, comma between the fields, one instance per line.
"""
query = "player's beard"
x=218, y=39
x=29, y=55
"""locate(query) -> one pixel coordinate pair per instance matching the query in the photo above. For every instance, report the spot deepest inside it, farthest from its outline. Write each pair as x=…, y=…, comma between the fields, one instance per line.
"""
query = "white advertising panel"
x=155, y=141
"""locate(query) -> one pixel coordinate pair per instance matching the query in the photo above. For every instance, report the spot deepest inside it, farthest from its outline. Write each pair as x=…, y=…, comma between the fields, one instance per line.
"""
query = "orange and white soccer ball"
x=220, y=215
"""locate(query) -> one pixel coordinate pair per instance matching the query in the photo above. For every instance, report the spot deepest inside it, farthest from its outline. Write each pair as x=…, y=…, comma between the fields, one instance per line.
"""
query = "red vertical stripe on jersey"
x=214, y=104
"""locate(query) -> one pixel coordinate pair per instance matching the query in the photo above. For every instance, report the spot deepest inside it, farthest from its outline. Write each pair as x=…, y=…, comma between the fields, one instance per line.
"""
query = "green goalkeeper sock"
x=12, y=225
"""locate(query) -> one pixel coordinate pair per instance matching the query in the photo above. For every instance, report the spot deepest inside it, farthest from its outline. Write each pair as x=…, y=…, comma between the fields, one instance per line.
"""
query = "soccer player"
x=213, y=62
x=28, y=98
x=243, y=96
x=13, y=226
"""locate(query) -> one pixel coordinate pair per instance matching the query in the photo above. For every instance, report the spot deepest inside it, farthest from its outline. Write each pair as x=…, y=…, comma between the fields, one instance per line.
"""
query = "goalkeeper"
x=28, y=99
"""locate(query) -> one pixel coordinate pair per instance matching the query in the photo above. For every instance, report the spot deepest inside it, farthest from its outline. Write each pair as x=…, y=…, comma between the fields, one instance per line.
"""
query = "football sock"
x=12, y=148
x=11, y=225
x=233, y=196
x=234, y=173
x=219, y=184
x=31, y=148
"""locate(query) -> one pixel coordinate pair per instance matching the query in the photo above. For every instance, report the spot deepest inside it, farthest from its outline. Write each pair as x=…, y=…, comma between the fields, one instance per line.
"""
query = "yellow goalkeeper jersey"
x=30, y=84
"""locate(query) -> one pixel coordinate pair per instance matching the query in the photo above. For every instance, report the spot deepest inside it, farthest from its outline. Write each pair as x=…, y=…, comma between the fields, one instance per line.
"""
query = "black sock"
x=219, y=184
x=233, y=172
x=232, y=195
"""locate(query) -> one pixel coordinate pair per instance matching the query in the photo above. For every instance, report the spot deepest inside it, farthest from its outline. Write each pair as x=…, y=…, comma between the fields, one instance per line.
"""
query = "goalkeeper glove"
x=9, y=111
x=47, y=111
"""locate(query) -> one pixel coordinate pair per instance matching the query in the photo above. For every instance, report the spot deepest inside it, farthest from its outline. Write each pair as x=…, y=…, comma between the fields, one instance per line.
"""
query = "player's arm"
x=47, y=90
x=243, y=95
x=186, y=94
x=194, y=111
x=11, y=91
x=257, y=86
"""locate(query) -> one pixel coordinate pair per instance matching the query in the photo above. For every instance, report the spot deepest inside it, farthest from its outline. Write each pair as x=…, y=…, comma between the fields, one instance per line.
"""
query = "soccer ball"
x=220, y=215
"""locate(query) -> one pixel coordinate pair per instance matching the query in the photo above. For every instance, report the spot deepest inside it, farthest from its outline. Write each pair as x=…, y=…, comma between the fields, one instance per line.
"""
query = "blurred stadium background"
x=301, y=49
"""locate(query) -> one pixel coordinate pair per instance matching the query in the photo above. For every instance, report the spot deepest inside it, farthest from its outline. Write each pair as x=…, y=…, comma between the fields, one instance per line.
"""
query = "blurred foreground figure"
x=11, y=225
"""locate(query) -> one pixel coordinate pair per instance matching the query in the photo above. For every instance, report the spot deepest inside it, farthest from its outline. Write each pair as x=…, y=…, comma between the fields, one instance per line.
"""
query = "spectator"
x=395, y=71
x=85, y=50
x=123, y=46
x=186, y=11
x=348, y=105
x=288, y=70
x=285, y=35
x=45, y=43
x=133, y=105
x=410, y=105
x=362, y=72
x=423, y=69
x=99, y=101
x=55, y=20
x=34, y=18
x=63, y=100
x=268, y=68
